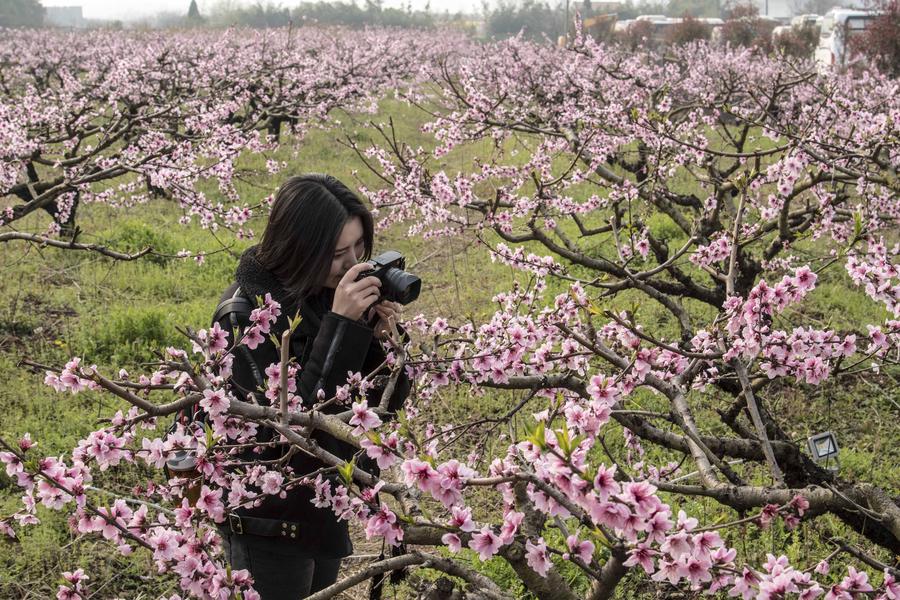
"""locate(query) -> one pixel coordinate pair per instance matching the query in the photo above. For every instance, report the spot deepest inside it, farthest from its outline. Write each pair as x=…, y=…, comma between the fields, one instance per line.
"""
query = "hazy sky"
x=125, y=9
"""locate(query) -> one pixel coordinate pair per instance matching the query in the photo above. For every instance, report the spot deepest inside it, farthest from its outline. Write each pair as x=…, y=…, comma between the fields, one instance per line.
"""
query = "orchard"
x=681, y=227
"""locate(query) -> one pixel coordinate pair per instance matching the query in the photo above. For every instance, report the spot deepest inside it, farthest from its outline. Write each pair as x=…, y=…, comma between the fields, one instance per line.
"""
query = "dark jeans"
x=281, y=570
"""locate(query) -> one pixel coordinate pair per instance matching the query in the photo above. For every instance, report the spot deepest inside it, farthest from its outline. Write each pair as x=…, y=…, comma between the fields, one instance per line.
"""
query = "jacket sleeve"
x=401, y=388
x=340, y=346
x=401, y=392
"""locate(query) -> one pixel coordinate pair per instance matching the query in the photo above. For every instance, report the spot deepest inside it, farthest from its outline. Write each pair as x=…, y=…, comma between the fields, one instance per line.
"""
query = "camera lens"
x=181, y=461
x=400, y=286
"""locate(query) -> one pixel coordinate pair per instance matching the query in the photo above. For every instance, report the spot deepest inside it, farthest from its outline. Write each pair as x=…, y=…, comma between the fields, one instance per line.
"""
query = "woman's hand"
x=352, y=298
x=388, y=317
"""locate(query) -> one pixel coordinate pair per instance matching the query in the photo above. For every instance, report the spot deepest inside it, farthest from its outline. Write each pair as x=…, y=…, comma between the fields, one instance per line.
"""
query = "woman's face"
x=349, y=249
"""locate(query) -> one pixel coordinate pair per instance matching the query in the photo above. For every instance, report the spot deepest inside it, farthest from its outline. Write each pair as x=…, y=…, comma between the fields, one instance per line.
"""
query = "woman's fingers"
x=363, y=284
x=369, y=299
x=349, y=282
x=389, y=315
x=387, y=309
x=354, y=272
x=353, y=298
x=383, y=309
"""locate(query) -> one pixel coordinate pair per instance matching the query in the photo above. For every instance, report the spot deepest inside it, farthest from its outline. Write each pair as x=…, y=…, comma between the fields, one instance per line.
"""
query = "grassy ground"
x=55, y=304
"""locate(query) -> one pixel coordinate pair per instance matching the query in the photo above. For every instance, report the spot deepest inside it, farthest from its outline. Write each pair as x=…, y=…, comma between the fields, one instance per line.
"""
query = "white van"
x=798, y=23
x=801, y=21
x=839, y=26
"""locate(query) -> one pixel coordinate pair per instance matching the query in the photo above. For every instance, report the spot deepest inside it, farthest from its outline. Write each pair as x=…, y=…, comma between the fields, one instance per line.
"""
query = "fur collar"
x=255, y=280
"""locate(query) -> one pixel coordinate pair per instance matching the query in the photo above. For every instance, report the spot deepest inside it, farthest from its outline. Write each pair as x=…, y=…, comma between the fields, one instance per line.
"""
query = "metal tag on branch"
x=824, y=450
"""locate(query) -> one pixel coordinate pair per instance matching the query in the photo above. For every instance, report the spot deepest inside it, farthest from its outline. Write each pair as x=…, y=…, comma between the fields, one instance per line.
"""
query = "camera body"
x=396, y=284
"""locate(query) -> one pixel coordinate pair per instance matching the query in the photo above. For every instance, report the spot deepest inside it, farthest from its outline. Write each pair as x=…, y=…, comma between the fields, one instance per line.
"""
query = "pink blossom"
x=857, y=581
x=685, y=522
x=154, y=452
x=218, y=338
x=641, y=555
x=605, y=483
x=611, y=514
x=695, y=569
x=537, y=557
x=511, y=521
x=583, y=549
x=364, y=418
x=452, y=541
x=384, y=524
x=270, y=483
x=485, y=543
x=804, y=279
x=253, y=337
x=462, y=518
x=602, y=390
x=657, y=526
x=164, y=545
x=705, y=542
x=382, y=455
x=453, y=474
x=768, y=513
x=811, y=592
x=421, y=474
x=667, y=571
x=800, y=504
x=210, y=502
x=25, y=442
x=640, y=494
x=215, y=402
x=891, y=586
x=678, y=544
x=745, y=585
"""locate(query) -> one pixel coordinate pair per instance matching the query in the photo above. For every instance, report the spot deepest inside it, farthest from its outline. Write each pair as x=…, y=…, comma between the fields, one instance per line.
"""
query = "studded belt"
x=243, y=525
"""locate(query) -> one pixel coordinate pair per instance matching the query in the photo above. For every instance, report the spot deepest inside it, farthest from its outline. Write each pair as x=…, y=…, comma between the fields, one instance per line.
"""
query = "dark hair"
x=307, y=218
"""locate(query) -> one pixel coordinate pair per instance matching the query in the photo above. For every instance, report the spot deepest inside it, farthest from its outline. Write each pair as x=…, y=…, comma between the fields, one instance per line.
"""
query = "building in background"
x=64, y=16
x=603, y=8
x=782, y=10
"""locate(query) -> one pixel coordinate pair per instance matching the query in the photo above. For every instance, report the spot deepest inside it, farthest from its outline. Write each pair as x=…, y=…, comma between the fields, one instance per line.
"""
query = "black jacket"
x=326, y=346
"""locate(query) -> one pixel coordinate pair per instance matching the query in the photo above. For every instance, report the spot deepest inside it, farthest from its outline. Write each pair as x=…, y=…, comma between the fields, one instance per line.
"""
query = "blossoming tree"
x=714, y=186
x=117, y=118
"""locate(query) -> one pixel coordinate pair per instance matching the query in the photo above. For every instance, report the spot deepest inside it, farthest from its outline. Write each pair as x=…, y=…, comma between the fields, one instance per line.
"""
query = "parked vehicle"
x=807, y=21
x=766, y=23
x=800, y=23
x=839, y=26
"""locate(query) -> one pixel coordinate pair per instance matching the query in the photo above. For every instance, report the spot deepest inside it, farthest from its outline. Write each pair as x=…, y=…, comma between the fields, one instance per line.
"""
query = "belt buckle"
x=234, y=522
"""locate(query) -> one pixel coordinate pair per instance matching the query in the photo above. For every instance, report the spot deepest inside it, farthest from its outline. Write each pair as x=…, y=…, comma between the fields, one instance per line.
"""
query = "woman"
x=309, y=260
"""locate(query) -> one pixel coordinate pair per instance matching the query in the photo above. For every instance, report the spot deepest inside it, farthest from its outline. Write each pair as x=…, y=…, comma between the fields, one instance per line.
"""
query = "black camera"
x=396, y=284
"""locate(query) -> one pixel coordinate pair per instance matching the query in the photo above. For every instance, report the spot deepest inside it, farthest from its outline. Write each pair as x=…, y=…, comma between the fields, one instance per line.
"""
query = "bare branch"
x=54, y=243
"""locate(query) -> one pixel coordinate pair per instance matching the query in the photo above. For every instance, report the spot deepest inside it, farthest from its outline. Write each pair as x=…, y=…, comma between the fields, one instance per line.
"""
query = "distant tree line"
x=21, y=13
x=533, y=18
x=349, y=13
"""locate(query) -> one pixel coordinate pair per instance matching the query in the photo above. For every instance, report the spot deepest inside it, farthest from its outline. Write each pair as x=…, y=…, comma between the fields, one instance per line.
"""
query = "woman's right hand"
x=352, y=298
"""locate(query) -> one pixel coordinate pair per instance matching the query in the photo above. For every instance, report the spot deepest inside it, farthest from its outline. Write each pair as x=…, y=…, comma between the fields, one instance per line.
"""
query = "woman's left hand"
x=388, y=317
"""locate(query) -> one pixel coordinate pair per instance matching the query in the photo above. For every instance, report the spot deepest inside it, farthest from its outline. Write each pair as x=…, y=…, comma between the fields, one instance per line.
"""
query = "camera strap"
x=240, y=305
